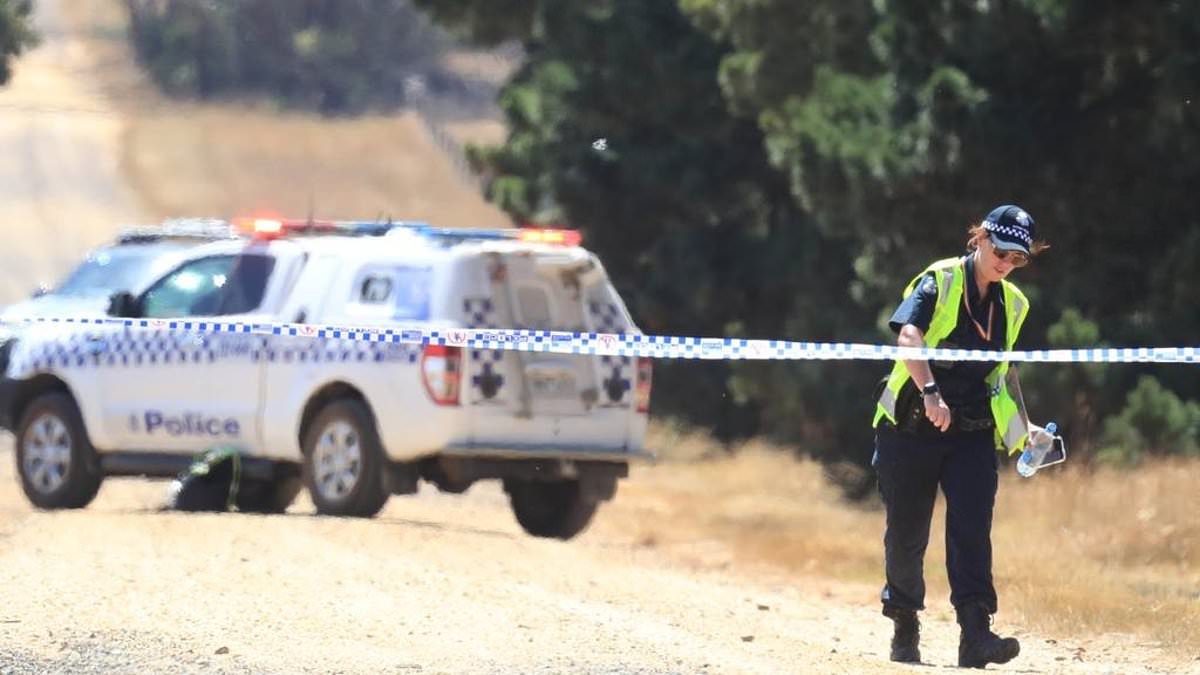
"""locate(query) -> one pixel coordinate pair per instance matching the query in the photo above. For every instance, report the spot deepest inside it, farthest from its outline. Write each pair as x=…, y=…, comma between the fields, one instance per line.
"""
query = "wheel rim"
x=47, y=453
x=337, y=460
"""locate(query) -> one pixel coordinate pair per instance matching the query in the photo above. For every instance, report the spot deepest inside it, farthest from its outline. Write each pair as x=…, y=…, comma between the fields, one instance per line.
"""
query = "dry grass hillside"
x=223, y=160
x=1076, y=551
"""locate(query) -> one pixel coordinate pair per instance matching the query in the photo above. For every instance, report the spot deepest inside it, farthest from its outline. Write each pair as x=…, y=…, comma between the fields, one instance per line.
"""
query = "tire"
x=343, y=461
x=58, y=466
x=555, y=510
x=268, y=496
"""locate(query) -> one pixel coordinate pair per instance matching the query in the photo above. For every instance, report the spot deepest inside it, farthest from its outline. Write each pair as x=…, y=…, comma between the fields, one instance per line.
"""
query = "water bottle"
x=1031, y=458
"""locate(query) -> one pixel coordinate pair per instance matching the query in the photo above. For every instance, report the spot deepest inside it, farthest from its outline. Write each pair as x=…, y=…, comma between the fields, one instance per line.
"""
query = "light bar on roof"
x=554, y=236
x=550, y=236
x=265, y=228
x=260, y=227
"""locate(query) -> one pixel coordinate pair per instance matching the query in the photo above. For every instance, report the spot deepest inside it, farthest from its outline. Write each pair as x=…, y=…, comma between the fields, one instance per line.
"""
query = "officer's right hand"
x=1038, y=435
x=936, y=411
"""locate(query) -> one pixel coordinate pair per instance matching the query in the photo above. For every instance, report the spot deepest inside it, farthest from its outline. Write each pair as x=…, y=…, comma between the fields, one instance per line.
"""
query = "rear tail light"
x=645, y=370
x=441, y=372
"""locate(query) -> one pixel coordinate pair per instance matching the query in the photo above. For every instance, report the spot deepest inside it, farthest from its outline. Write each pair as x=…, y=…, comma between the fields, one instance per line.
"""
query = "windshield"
x=106, y=272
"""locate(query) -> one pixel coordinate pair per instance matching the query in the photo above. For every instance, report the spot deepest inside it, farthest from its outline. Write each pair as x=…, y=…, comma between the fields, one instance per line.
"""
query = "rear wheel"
x=58, y=466
x=343, y=461
x=557, y=509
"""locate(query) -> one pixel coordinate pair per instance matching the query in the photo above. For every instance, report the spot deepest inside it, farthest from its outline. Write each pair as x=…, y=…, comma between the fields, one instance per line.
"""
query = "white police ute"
x=351, y=420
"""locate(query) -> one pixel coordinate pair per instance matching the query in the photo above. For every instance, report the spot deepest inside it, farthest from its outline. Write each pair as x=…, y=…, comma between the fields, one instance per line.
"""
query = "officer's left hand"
x=937, y=411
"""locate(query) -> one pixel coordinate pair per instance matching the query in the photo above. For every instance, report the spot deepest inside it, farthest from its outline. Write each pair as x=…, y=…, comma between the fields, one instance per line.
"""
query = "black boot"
x=977, y=644
x=907, y=635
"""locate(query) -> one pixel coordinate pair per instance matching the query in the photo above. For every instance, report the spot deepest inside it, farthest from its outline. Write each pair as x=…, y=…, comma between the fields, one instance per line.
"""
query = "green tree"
x=16, y=34
x=1153, y=422
x=336, y=56
x=1081, y=111
x=1071, y=394
x=891, y=126
x=618, y=127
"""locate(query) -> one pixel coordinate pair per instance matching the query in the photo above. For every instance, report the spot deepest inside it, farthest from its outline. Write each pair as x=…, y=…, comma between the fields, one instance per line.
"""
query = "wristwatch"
x=929, y=388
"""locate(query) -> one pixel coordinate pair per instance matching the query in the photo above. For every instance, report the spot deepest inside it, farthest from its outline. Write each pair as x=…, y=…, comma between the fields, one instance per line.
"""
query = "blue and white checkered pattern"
x=600, y=344
x=1017, y=232
x=134, y=347
x=128, y=348
x=478, y=313
x=606, y=317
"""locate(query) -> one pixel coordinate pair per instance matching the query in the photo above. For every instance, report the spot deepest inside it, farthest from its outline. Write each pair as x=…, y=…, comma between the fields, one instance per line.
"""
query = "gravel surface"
x=435, y=584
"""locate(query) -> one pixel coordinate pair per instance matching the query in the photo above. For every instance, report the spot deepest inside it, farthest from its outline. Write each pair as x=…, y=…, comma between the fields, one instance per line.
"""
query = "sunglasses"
x=1017, y=258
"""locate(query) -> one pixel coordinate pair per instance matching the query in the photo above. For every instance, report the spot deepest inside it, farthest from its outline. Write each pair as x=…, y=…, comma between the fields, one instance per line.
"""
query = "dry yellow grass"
x=227, y=160
x=1076, y=552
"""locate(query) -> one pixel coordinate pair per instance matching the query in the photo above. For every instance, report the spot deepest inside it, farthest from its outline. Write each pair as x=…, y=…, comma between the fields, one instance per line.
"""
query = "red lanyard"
x=986, y=335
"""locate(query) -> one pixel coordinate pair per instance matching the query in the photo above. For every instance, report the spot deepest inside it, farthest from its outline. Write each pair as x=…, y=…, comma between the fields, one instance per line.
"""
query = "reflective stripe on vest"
x=1010, y=428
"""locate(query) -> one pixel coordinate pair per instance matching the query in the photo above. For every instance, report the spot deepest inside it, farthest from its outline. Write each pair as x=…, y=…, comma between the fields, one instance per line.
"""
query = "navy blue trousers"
x=910, y=467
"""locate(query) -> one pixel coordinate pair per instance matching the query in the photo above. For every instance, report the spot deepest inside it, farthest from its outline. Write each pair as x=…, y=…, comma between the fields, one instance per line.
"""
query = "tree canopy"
x=342, y=56
x=16, y=34
x=780, y=168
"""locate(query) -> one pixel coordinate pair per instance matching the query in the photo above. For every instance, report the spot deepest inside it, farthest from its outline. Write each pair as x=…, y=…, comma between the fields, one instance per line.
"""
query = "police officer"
x=941, y=422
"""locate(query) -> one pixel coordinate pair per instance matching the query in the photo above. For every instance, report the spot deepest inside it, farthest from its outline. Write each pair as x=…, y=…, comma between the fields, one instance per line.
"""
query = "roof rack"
x=178, y=228
x=260, y=227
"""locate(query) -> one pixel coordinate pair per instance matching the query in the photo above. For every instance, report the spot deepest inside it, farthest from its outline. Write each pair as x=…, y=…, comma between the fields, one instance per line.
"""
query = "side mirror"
x=124, y=304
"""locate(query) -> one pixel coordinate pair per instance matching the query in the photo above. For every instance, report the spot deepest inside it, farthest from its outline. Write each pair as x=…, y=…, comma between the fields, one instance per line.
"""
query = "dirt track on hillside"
x=61, y=192
x=435, y=584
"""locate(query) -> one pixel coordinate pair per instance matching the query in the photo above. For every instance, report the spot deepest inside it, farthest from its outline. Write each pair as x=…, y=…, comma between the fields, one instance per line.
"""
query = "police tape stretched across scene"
x=609, y=344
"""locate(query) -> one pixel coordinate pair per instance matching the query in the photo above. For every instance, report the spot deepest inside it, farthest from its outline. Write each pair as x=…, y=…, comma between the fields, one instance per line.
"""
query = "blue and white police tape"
x=610, y=344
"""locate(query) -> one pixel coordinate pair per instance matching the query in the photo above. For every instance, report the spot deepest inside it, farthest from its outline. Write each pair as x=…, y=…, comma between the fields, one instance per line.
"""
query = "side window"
x=229, y=284
x=413, y=288
x=375, y=289
x=391, y=292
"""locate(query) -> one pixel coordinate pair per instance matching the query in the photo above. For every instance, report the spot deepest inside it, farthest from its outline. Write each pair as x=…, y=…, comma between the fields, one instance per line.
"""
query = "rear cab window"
x=391, y=291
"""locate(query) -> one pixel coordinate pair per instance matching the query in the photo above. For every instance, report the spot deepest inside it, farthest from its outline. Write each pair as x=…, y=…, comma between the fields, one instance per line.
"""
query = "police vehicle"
x=352, y=421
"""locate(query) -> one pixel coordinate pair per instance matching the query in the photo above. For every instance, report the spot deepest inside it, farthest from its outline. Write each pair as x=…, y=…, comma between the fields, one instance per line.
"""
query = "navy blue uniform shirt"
x=962, y=383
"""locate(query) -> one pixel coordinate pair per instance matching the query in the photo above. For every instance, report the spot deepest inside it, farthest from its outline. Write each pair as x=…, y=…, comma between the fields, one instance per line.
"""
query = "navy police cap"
x=1011, y=227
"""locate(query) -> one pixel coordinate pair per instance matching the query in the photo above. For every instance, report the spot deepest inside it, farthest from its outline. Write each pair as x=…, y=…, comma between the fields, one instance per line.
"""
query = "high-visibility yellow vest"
x=950, y=274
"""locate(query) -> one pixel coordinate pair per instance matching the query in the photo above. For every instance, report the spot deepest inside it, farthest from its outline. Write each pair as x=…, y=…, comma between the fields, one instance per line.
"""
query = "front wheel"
x=58, y=466
x=343, y=461
x=556, y=510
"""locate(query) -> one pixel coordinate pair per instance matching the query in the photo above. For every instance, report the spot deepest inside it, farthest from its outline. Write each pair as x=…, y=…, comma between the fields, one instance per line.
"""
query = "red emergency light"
x=542, y=235
x=271, y=228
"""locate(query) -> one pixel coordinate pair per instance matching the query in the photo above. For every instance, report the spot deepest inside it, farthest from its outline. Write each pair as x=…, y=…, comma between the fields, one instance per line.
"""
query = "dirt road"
x=61, y=192
x=435, y=584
